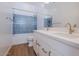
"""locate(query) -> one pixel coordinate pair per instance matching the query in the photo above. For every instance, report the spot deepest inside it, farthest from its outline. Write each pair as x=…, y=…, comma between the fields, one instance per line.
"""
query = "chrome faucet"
x=71, y=29
x=47, y=28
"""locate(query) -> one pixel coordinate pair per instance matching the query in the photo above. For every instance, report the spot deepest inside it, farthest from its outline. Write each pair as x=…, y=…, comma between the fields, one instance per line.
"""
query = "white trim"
x=5, y=54
x=19, y=43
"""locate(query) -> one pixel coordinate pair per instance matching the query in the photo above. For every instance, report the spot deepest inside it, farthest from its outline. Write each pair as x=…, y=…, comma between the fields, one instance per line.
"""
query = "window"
x=24, y=24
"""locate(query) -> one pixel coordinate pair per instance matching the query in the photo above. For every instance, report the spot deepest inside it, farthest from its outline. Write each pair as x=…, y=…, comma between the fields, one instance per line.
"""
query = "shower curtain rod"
x=24, y=10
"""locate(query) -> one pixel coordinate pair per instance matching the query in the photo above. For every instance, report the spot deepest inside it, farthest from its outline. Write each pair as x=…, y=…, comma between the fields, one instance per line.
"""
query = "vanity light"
x=46, y=2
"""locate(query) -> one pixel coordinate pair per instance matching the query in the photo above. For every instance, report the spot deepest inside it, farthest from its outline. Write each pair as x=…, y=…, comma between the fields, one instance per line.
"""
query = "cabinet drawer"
x=43, y=52
x=44, y=48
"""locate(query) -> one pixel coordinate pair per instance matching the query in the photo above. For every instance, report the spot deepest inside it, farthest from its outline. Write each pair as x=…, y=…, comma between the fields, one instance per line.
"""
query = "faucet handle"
x=74, y=25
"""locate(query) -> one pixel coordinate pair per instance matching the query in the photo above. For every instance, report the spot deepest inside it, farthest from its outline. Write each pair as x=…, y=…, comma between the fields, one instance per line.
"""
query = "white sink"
x=61, y=32
x=66, y=35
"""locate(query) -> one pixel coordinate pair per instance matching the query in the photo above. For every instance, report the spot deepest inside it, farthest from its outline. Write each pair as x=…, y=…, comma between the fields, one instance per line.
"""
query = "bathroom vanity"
x=55, y=43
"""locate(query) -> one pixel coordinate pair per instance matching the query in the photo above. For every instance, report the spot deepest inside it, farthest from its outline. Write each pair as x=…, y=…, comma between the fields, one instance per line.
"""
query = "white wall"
x=42, y=12
x=30, y=9
x=5, y=27
x=63, y=12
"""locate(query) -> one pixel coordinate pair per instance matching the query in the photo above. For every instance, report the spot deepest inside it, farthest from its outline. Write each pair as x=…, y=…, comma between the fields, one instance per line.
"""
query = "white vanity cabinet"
x=35, y=45
x=53, y=46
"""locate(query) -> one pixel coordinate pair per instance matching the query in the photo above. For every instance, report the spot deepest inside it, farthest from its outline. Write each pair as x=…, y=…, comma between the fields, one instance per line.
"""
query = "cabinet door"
x=35, y=46
x=43, y=51
x=49, y=45
x=43, y=48
x=55, y=53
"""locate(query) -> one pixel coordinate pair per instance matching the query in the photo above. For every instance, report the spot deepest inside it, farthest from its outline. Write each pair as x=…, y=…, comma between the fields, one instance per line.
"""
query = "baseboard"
x=19, y=43
x=5, y=54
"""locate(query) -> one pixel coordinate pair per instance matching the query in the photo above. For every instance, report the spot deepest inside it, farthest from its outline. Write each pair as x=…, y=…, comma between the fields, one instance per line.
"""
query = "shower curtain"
x=24, y=24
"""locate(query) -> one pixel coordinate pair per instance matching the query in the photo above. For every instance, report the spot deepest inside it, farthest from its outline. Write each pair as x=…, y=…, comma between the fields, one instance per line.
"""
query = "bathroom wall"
x=64, y=12
x=42, y=12
x=5, y=27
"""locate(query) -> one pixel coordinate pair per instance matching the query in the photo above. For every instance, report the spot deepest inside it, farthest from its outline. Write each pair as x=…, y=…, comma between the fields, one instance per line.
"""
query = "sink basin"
x=66, y=35
x=62, y=32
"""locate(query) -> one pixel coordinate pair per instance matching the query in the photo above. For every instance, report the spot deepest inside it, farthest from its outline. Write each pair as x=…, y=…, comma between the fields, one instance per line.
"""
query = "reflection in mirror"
x=48, y=22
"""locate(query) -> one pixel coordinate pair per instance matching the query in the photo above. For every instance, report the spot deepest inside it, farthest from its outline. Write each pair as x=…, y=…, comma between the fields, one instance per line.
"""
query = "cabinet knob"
x=44, y=50
x=38, y=44
x=49, y=53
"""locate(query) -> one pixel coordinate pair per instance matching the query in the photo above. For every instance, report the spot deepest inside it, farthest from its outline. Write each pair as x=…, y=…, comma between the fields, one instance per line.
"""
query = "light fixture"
x=46, y=2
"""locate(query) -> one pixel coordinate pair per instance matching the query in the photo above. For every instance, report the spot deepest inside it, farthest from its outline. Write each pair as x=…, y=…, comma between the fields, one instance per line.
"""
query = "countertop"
x=74, y=41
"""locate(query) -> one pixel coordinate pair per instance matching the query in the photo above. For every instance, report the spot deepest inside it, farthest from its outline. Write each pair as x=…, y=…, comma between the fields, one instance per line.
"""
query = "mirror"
x=48, y=21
